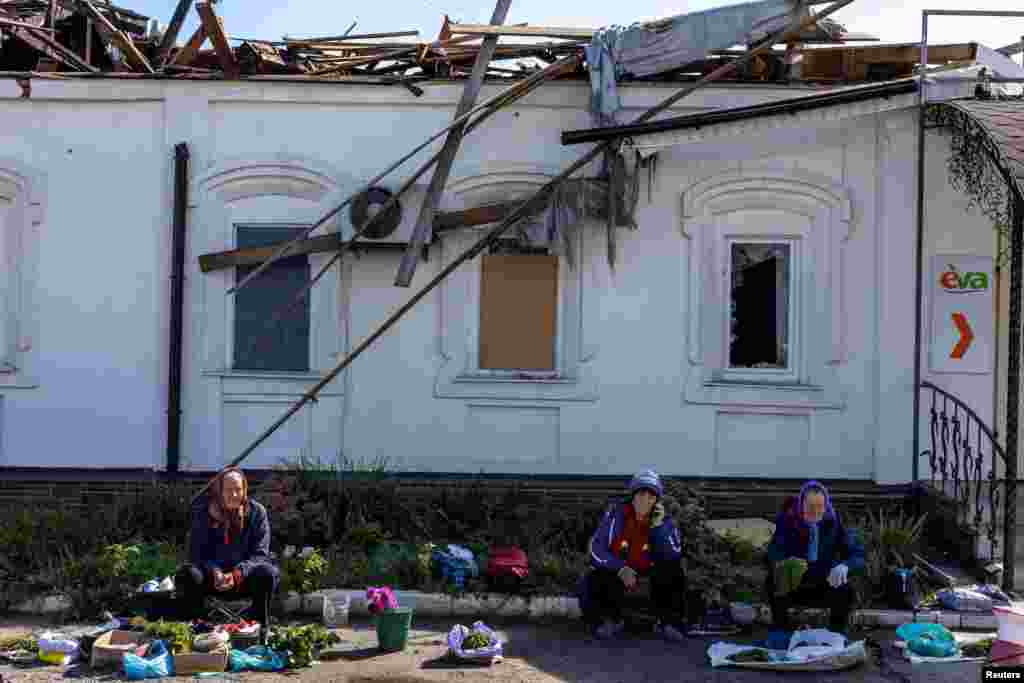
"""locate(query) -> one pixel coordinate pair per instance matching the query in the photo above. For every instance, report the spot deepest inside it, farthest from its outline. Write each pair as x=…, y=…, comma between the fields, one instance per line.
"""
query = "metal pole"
x=919, y=256
x=1013, y=391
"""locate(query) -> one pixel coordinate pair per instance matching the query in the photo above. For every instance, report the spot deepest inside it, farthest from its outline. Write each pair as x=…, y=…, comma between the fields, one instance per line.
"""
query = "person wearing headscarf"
x=809, y=529
x=229, y=549
x=635, y=538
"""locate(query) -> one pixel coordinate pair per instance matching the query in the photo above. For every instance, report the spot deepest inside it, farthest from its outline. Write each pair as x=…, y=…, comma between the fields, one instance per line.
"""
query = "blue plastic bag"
x=455, y=569
x=156, y=664
x=255, y=658
x=928, y=640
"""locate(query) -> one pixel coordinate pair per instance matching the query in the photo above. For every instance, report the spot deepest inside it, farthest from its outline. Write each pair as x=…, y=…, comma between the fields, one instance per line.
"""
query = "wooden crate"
x=109, y=647
x=189, y=663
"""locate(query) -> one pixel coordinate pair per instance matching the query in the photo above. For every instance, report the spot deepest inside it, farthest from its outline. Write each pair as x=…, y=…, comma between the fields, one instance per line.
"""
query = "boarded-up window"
x=518, y=309
x=260, y=345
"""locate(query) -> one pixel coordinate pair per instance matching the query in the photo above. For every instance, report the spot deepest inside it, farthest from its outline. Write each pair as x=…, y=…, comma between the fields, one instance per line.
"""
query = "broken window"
x=518, y=309
x=260, y=344
x=760, y=321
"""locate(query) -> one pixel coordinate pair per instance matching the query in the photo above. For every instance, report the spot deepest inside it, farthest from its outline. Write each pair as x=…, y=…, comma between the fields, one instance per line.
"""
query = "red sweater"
x=634, y=538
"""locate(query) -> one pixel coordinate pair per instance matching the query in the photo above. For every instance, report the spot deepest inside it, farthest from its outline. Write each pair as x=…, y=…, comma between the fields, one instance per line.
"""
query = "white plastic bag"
x=719, y=653
x=459, y=634
x=817, y=637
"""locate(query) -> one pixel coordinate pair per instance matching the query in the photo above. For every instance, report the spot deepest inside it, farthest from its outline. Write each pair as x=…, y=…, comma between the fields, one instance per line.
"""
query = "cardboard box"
x=109, y=647
x=190, y=663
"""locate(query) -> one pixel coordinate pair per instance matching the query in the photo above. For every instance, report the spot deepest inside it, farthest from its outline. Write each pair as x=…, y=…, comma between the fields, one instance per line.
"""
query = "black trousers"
x=812, y=593
x=608, y=594
x=194, y=583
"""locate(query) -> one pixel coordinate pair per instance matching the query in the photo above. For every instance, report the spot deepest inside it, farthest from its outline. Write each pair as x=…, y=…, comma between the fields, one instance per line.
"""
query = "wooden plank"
x=262, y=58
x=123, y=42
x=215, y=30
x=171, y=35
x=480, y=215
x=407, y=268
x=518, y=303
x=187, y=54
x=523, y=31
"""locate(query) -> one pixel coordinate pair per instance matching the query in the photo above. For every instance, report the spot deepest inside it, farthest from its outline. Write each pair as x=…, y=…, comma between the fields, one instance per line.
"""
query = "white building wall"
x=290, y=151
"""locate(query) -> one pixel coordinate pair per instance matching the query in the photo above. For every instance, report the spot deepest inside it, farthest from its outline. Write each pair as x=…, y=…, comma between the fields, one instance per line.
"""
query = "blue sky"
x=891, y=20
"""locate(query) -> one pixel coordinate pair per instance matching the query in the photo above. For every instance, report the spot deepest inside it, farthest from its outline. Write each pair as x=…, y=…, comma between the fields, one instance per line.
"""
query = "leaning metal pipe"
x=517, y=214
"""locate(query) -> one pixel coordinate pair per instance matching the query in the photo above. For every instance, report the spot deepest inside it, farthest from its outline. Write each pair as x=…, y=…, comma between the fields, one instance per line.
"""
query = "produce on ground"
x=751, y=656
x=475, y=641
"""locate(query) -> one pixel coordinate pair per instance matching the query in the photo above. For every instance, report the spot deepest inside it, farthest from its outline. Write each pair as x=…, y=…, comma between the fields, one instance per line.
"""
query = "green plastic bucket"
x=393, y=629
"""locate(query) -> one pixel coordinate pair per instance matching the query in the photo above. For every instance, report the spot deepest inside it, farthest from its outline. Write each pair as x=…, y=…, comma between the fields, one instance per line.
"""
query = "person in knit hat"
x=229, y=549
x=635, y=538
x=809, y=529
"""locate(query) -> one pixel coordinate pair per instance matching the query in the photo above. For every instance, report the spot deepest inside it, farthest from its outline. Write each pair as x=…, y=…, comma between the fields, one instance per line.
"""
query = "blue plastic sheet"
x=255, y=658
x=157, y=663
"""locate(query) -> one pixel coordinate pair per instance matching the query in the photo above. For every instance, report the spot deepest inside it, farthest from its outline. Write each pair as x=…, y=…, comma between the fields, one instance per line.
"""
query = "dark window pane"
x=759, y=304
x=258, y=344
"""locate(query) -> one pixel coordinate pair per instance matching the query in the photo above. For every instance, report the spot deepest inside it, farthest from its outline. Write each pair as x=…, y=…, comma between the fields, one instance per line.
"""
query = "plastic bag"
x=57, y=648
x=817, y=637
x=455, y=568
x=255, y=658
x=928, y=640
x=961, y=600
x=156, y=664
x=992, y=592
x=459, y=633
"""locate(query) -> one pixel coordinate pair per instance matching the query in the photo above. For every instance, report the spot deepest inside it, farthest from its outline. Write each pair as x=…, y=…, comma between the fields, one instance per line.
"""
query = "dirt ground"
x=534, y=653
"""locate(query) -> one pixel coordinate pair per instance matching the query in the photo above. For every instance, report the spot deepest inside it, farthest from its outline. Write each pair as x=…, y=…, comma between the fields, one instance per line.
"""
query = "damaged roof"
x=75, y=38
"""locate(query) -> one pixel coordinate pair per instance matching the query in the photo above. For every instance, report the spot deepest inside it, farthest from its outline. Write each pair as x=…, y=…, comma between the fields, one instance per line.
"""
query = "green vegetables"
x=475, y=641
x=176, y=633
x=301, y=644
x=18, y=643
x=981, y=648
x=138, y=562
x=750, y=656
x=788, y=575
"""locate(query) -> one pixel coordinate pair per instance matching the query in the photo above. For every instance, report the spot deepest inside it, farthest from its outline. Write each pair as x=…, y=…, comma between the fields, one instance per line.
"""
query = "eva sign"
x=961, y=290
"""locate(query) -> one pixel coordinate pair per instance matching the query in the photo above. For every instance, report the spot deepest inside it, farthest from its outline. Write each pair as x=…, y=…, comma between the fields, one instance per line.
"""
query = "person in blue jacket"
x=809, y=529
x=635, y=538
x=229, y=550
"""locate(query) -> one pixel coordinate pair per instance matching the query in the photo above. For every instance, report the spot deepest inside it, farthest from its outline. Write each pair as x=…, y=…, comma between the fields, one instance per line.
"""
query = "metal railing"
x=968, y=465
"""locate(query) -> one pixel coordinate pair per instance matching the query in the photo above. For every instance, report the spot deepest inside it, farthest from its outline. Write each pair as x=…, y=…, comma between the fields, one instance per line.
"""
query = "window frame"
x=806, y=207
x=790, y=374
x=23, y=190
x=459, y=374
x=312, y=301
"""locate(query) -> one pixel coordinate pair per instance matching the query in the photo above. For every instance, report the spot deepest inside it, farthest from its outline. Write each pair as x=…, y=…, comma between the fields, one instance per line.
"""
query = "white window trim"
x=460, y=374
x=22, y=190
x=813, y=200
x=794, y=354
x=215, y=223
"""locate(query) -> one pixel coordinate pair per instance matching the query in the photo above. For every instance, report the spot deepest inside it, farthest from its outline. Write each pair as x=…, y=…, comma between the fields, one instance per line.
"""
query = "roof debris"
x=97, y=38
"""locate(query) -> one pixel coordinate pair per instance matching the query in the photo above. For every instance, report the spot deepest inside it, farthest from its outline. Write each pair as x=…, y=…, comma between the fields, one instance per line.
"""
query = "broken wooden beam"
x=261, y=58
x=173, y=28
x=187, y=54
x=119, y=37
x=38, y=39
x=215, y=30
x=450, y=220
x=407, y=268
x=522, y=31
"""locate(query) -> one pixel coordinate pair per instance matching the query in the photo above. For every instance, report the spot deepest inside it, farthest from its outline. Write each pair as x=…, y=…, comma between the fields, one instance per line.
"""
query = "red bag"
x=507, y=561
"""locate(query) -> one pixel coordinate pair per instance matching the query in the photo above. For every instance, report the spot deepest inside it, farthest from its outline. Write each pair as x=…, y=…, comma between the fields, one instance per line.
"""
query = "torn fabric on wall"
x=656, y=47
x=611, y=198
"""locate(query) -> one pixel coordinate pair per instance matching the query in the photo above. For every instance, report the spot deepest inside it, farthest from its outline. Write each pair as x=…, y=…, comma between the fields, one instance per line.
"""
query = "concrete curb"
x=439, y=605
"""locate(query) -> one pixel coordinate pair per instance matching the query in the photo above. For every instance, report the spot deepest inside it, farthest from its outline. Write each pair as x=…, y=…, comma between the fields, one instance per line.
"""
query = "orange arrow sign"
x=966, y=336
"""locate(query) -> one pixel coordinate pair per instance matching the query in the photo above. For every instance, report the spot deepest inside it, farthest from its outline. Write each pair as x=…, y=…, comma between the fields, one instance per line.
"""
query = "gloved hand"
x=657, y=515
x=837, y=577
x=628, y=576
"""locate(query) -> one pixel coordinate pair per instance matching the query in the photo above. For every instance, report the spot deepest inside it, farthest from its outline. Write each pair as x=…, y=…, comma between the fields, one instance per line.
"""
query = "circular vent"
x=368, y=205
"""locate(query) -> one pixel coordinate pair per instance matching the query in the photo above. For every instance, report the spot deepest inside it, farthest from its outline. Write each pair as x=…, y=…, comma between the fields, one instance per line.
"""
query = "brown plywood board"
x=518, y=309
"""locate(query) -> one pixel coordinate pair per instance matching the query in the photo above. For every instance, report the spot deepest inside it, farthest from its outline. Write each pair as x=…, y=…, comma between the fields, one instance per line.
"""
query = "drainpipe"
x=177, y=302
x=919, y=290
x=999, y=310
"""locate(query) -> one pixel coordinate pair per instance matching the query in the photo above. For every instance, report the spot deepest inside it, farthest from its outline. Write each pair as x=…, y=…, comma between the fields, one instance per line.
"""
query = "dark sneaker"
x=609, y=630
x=669, y=632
